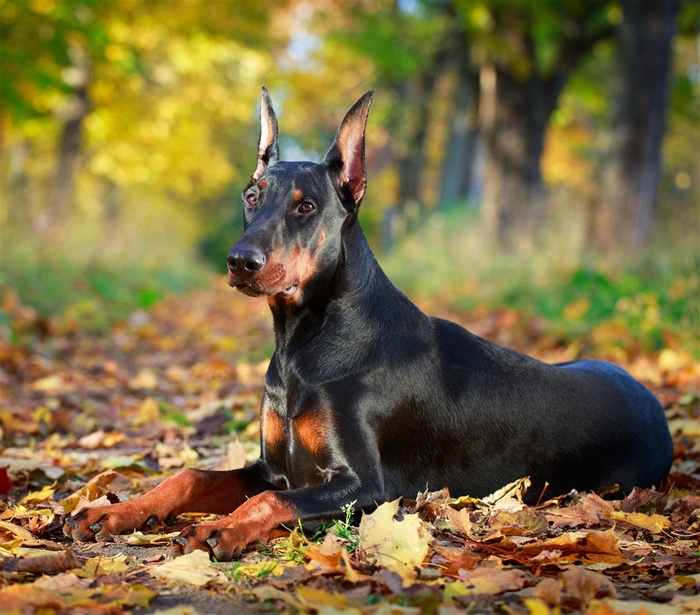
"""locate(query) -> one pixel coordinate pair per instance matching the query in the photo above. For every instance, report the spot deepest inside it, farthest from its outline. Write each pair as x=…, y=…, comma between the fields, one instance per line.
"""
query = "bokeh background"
x=539, y=155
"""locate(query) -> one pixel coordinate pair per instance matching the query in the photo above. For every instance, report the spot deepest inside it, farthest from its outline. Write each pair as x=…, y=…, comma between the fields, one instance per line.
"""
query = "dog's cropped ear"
x=346, y=156
x=268, y=147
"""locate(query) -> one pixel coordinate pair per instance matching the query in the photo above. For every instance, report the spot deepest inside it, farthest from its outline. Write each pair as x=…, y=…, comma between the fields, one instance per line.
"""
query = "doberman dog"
x=367, y=399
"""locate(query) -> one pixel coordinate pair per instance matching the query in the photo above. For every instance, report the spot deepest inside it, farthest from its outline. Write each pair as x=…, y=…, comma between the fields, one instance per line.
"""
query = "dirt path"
x=180, y=386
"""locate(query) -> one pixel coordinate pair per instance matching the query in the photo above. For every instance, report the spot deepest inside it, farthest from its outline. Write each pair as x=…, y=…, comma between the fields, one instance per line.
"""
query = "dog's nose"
x=245, y=262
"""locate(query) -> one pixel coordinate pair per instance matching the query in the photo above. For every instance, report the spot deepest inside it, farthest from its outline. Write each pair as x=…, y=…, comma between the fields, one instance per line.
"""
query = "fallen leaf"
x=318, y=599
x=95, y=566
x=89, y=492
x=655, y=523
x=514, y=490
x=47, y=563
x=399, y=544
x=144, y=379
x=585, y=585
x=192, y=569
x=101, y=439
x=493, y=581
x=10, y=531
x=48, y=384
x=35, y=497
x=147, y=540
x=610, y=606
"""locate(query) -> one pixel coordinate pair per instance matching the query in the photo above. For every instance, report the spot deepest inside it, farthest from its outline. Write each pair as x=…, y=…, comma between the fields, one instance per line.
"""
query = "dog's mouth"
x=254, y=291
x=289, y=291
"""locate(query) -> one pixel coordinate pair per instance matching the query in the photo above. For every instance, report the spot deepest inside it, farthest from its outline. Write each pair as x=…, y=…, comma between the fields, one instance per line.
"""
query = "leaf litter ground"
x=89, y=418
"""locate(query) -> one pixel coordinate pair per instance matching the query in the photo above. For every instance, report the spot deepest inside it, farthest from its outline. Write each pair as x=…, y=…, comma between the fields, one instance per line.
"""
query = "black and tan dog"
x=367, y=398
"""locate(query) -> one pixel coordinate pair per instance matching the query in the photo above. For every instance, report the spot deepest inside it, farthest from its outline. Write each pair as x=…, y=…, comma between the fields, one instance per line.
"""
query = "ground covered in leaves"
x=91, y=417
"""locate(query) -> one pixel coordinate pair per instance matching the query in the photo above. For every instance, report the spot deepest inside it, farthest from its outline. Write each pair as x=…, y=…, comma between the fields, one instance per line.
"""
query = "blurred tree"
x=640, y=101
x=45, y=56
x=72, y=118
x=408, y=46
x=526, y=52
x=463, y=136
x=142, y=101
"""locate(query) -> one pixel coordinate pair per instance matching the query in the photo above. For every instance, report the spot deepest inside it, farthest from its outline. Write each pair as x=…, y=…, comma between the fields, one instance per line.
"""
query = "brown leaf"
x=518, y=522
x=585, y=585
x=588, y=511
x=42, y=564
x=492, y=581
x=591, y=546
x=549, y=590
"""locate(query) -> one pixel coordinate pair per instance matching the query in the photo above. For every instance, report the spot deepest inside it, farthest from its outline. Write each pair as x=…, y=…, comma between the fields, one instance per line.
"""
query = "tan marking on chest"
x=272, y=428
x=311, y=429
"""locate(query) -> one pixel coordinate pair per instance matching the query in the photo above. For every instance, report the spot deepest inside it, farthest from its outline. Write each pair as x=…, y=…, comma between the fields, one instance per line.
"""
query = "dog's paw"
x=222, y=543
x=103, y=523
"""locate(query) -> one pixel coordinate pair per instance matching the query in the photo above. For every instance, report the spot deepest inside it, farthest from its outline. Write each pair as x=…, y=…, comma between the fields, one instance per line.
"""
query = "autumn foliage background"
x=545, y=153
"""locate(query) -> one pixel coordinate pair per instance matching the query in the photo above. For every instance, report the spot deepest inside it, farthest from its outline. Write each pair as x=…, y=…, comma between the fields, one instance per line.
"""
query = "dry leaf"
x=398, y=544
x=493, y=581
x=90, y=492
x=46, y=493
x=192, y=569
x=655, y=524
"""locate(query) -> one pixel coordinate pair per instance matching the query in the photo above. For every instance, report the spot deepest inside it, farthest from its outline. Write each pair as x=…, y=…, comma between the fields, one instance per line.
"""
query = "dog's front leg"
x=260, y=516
x=188, y=491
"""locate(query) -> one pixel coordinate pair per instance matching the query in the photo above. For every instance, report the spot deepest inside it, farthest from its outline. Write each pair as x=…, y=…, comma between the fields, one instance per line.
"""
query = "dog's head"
x=294, y=212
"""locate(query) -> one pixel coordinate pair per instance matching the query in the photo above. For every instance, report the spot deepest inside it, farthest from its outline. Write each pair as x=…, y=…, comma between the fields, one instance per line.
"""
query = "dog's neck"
x=357, y=287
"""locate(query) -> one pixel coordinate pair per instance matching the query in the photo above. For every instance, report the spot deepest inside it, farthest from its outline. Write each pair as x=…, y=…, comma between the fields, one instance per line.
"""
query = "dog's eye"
x=252, y=200
x=306, y=207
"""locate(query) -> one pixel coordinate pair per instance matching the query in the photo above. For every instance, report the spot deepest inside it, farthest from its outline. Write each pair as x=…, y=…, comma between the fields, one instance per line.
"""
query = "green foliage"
x=37, y=38
x=653, y=302
x=95, y=296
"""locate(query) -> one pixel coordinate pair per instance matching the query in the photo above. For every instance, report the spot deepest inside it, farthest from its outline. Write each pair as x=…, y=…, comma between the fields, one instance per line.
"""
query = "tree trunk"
x=515, y=115
x=410, y=154
x=69, y=145
x=457, y=169
x=640, y=101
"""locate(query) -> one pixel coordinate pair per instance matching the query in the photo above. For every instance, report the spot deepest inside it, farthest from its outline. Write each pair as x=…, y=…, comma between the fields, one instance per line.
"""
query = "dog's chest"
x=297, y=445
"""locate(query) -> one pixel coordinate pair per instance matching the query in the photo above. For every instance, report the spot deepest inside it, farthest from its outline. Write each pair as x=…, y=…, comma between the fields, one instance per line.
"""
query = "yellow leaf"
x=121, y=596
x=11, y=532
x=48, y=384
x=400, y=545
x=671, y=360
x=654, y=523
x=314, y=598
x=263, y=568
x=192, y=569
x=148, y=412
x=684, y=581
x=9, y=547
x=106, y=565
x=613, y=606
x=144, y=379
x=576, y=310
x=46, y=493
x=465, y=500
x=536, y=606
x=90, y=492
x=454, y=589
